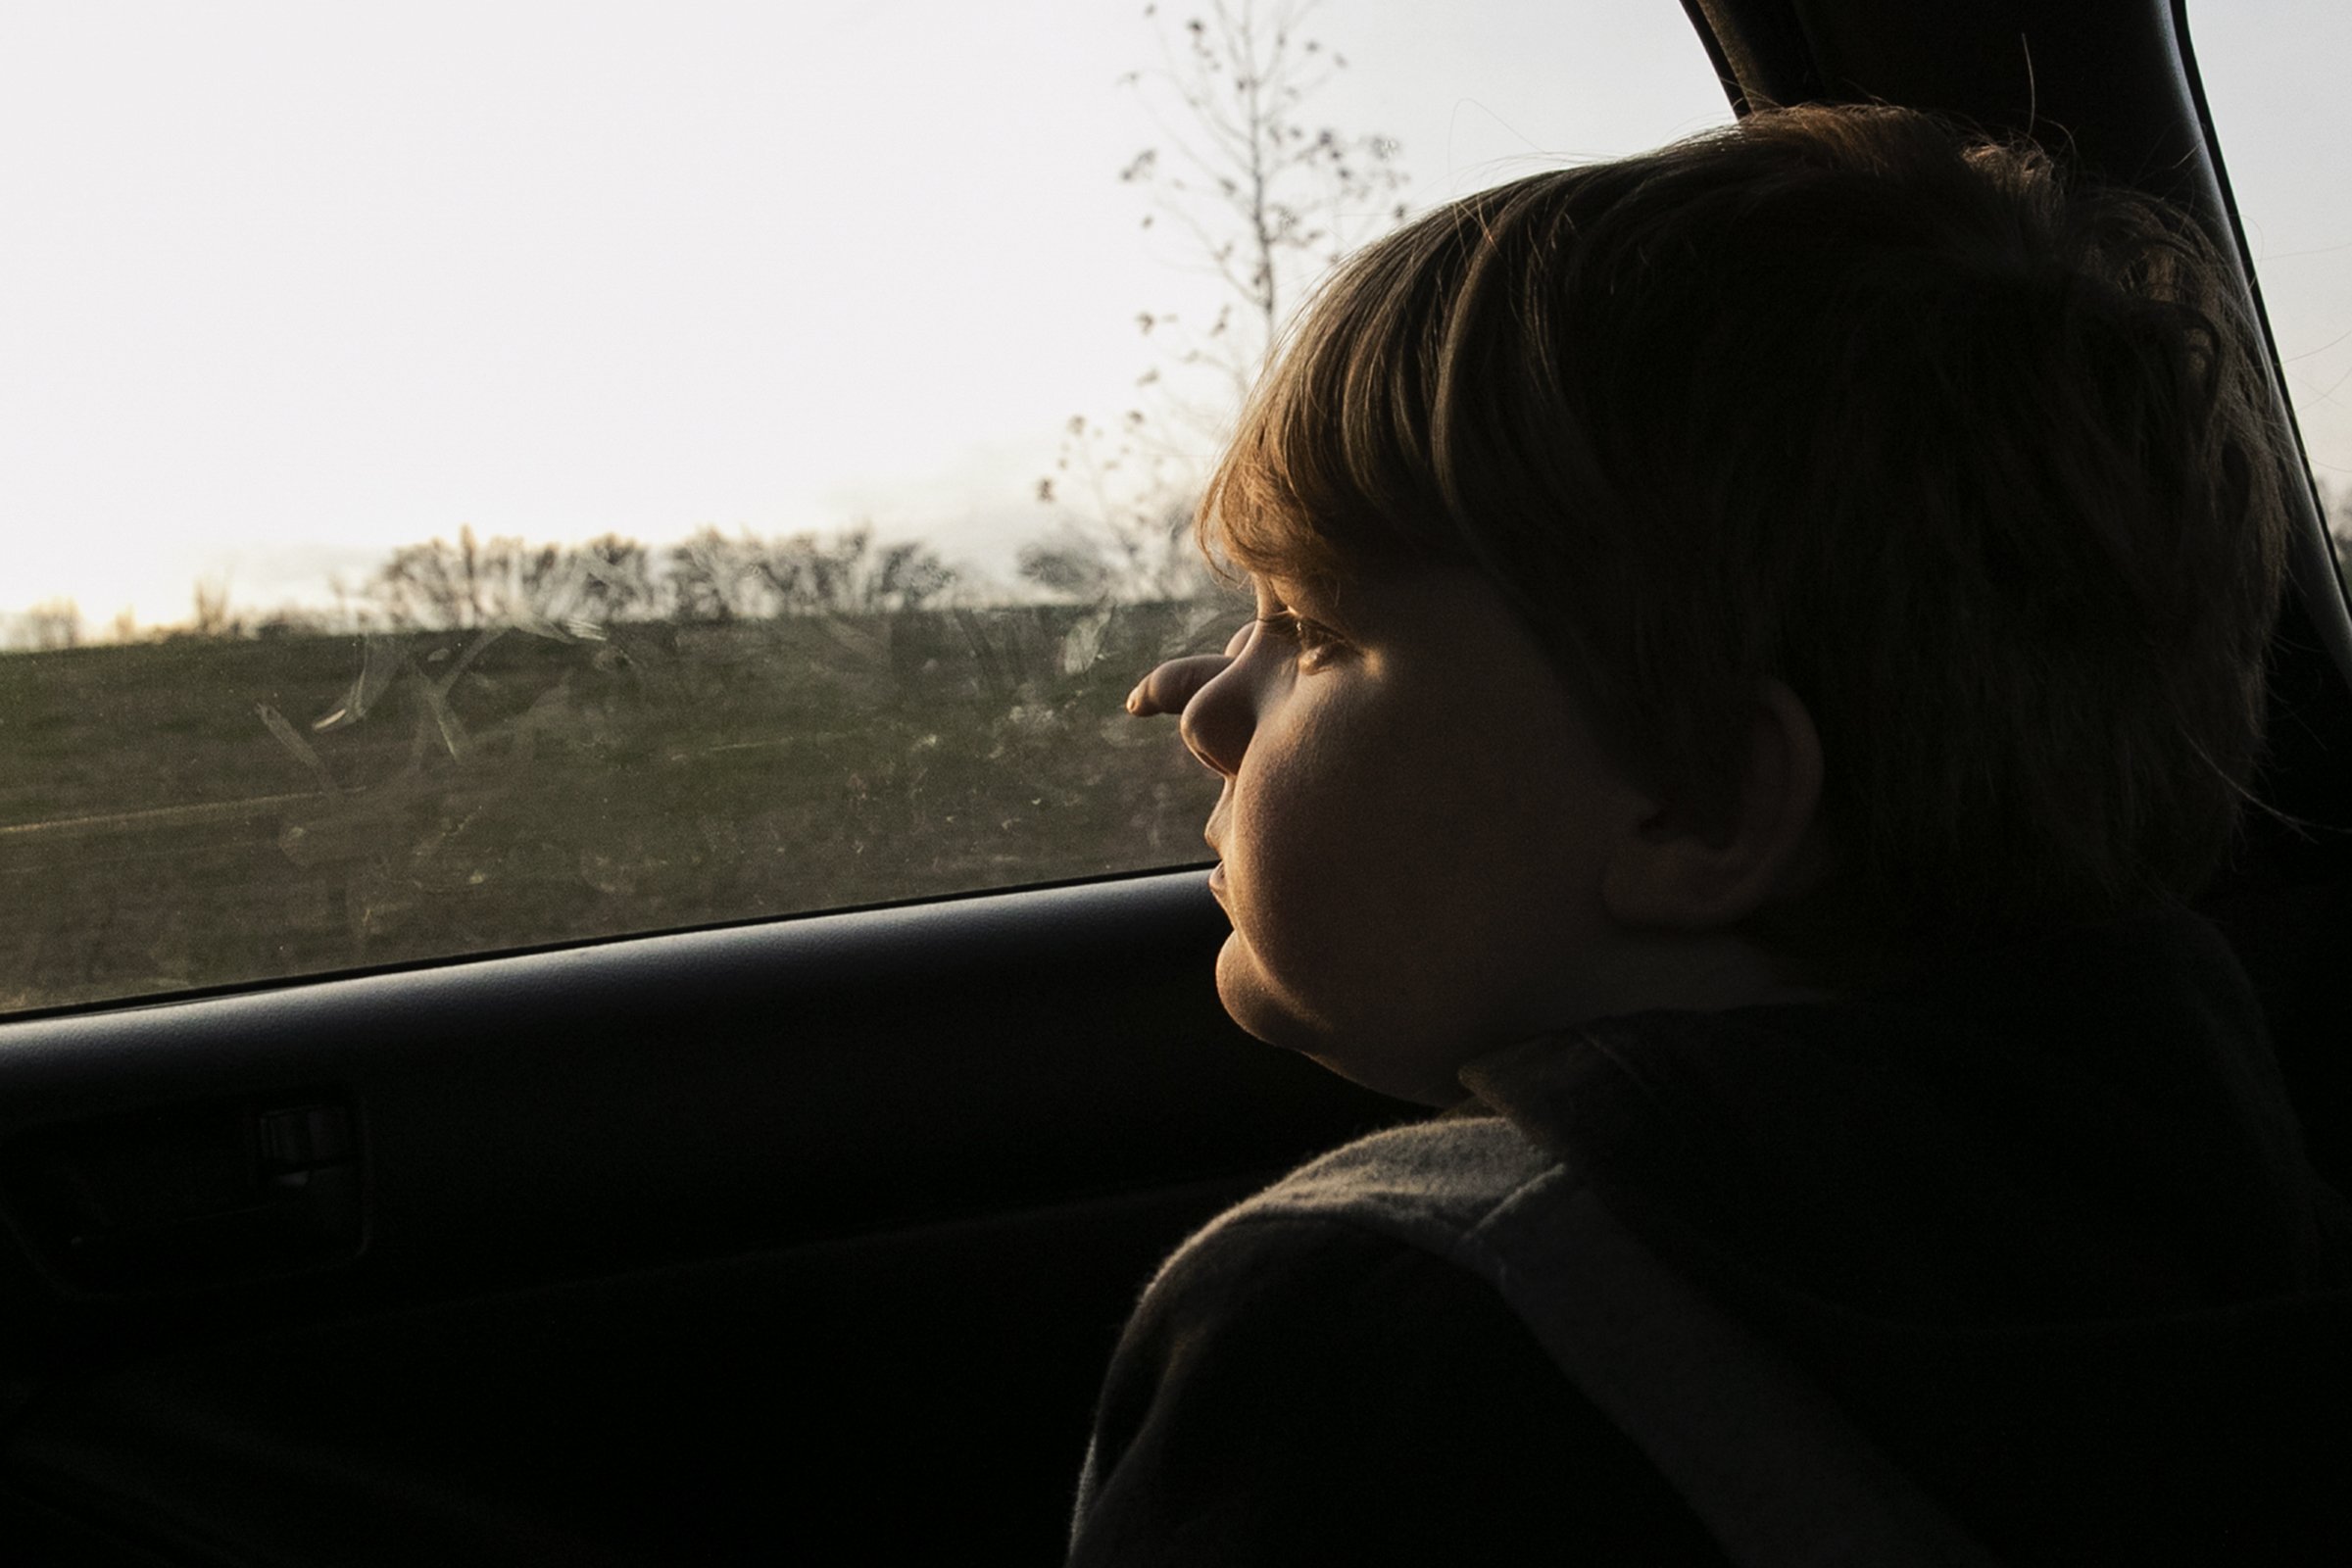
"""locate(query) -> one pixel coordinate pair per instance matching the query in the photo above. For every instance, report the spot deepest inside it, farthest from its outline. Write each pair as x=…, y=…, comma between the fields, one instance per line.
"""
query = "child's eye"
x=1314, y=641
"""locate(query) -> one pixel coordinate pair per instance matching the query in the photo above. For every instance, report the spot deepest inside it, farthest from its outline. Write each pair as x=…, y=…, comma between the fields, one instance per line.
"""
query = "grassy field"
x=200, y=811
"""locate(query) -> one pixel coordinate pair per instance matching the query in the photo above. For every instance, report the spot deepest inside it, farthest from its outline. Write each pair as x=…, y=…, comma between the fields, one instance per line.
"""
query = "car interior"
x=745, y=1244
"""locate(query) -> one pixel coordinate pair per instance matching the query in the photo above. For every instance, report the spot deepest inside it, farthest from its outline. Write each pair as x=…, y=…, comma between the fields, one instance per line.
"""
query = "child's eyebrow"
x=1316, y=601
x=1289, y=592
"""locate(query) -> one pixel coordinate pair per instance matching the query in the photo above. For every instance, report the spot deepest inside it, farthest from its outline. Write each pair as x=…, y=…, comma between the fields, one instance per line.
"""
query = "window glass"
x=2281, y=116
x=491, y=475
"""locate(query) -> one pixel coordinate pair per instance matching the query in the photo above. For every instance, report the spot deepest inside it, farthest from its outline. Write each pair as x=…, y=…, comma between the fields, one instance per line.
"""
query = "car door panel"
x=684, y=1242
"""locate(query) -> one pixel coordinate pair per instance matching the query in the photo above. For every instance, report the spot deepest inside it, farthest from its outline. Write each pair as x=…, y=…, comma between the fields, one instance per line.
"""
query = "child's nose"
x=1217, y=722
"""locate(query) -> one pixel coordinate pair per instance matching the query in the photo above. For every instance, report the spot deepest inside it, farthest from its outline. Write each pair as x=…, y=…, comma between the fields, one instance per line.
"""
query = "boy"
x=1755, y=645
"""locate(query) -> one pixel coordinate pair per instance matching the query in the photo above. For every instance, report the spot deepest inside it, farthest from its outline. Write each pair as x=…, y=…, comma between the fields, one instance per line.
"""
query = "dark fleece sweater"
x=2015, y=1261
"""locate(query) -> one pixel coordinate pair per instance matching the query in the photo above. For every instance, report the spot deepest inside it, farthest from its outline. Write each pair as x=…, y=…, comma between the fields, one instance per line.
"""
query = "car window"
x=2280, y=115
x=481, y=476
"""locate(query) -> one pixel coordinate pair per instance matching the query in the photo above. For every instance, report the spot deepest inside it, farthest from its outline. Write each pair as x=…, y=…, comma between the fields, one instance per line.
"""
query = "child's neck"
x=1703, y=974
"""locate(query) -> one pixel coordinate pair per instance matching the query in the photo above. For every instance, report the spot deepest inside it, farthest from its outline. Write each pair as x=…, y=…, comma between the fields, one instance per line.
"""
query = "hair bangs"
x=1288, y=500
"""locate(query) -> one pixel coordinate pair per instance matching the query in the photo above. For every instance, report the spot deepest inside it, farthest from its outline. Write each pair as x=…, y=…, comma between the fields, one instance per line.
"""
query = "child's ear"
x=1673, y=872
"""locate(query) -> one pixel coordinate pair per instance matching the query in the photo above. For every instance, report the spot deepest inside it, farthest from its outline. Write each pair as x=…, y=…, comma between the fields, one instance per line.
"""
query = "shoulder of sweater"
x=1429, y=1184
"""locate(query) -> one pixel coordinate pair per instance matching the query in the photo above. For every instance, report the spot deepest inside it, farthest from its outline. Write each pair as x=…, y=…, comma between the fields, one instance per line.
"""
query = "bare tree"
x=475, y=583
x=434, y=584
x=1124, y=504
x=210, y=616
x=52, y=624
x=1266, y=198
x=573, y=591
x=848, y=574
x=616, y=579
x=713, y=577
x=1263, y=194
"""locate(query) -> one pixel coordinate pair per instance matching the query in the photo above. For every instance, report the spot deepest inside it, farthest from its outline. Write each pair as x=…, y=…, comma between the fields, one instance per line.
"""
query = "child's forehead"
x=1327, y=593
x=1385, y=594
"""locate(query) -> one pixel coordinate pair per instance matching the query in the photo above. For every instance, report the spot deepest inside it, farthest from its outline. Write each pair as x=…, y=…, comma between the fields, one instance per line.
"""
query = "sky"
x=2274, y=79
x=287, y=285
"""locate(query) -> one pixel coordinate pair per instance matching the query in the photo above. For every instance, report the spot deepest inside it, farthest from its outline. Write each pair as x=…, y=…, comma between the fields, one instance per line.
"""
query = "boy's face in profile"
x=1414, y=828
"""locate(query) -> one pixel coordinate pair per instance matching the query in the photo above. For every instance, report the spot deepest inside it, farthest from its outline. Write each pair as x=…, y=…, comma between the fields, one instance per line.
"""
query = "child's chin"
x=1253, y=1002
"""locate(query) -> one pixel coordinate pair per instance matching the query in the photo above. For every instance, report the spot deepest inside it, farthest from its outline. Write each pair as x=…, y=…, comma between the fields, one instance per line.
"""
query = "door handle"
x=189, y=1195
